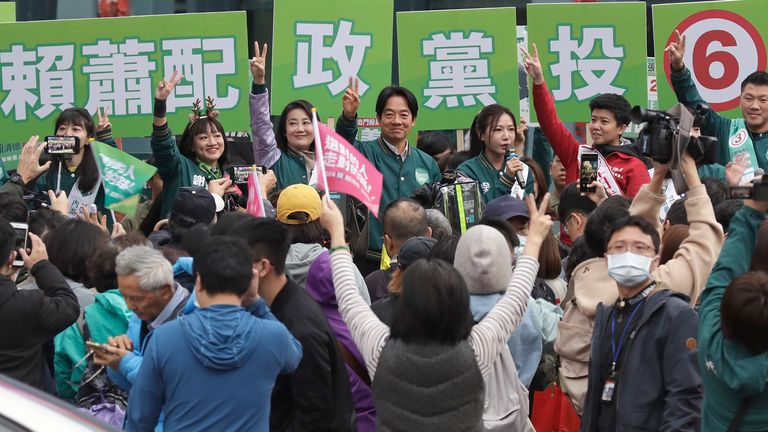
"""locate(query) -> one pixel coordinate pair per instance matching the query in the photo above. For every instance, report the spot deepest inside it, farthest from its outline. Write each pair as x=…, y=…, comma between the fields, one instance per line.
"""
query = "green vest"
x=493, y=183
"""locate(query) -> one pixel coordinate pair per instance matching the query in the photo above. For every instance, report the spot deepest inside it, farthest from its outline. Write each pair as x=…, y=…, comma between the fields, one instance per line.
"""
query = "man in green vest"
x=747, y=135
x=404, y=167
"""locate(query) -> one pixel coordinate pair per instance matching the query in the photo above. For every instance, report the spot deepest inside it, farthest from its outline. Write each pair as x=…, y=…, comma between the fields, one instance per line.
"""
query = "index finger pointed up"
x=531, y=204
x=107, y=111
x=256, y=50
x=98, y=114
x=525, y=52
x=544, y=205
x=535, y=51
x=357, y=85
x=264, y=51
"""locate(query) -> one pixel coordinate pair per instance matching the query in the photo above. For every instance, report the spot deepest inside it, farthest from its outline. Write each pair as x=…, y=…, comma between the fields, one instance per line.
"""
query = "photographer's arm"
x=648, y=201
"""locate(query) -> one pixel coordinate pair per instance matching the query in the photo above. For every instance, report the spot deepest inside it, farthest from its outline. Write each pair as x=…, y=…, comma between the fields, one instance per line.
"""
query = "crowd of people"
x=566, y=306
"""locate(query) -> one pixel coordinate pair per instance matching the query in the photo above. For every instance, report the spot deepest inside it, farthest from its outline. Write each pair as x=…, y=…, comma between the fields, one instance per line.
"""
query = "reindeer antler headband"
x=210, y=110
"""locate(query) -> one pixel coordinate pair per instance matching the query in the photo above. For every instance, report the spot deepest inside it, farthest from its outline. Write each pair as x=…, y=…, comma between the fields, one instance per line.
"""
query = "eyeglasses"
x=638, y=248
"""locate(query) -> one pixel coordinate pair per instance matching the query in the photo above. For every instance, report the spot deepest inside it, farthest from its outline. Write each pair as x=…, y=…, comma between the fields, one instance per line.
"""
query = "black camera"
x=659, y=138
x=757, y=191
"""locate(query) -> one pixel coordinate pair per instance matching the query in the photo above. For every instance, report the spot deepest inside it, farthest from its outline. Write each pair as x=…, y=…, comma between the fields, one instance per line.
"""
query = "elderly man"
x=145, y=280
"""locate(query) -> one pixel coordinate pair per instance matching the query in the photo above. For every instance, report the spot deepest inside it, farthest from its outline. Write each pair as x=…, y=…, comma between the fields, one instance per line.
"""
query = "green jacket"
x=729, y=372
x=3, y=173
x=177, y=171
x=715, y=125
x=712, y=170
x=493, y=183
x=401, y=178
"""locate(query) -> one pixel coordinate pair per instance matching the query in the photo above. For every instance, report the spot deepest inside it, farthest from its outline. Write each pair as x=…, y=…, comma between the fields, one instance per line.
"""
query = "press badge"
x=608, y=390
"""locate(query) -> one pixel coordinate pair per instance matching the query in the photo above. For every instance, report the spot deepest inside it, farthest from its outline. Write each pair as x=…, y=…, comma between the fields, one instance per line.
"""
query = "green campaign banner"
x=7, y=12
x=587, y=49
x=725, y=42
x=123, y=177
x=316, y=48
x=458, y=61
x=116, y=63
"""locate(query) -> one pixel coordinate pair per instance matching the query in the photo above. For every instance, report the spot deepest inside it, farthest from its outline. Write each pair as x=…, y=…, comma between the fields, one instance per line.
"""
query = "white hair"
x=147, y=264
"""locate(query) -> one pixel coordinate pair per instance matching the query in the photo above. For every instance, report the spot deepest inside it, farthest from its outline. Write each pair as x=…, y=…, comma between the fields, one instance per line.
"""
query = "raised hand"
x=520, y=132
x=332, y=220
x=533, y=65
x=735, y=169
x=599, y=195
x=60, y=202
x=29, y=167
x=351, y=99
x=36, y=254
x=259, y=63
x=676, y=52
x=165, y=88
x=539, y=225
x=103, y=119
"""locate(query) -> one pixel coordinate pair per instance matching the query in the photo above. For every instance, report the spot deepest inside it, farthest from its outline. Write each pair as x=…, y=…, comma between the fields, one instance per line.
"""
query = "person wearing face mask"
x=644, y=371
x=591, y=283
x=492, y=137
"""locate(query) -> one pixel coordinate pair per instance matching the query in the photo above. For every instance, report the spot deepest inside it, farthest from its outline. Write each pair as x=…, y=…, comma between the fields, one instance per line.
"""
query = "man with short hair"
x=231, y=349
x=403, y=219
x=748, y=134
x=557, y=172
x=573, y=211
x=643, y=372
x=404, y=167
x=145, y=280
x=317, y=396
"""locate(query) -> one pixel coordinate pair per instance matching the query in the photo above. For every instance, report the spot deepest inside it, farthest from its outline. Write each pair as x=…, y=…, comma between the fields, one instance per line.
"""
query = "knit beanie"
x=484, y=259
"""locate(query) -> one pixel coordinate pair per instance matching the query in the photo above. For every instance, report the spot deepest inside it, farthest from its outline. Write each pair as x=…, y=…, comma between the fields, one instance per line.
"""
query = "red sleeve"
x=639, y=176
x=565, y=146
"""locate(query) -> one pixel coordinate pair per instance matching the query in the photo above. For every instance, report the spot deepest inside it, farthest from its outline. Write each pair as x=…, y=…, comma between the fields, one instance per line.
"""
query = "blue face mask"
x=523, y=240
x=629, y=269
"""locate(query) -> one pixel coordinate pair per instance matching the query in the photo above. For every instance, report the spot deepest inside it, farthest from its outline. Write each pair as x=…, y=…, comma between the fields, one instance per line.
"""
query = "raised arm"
x=265, y=149
x=103, y=131
x=167, y=156
x=346, y=125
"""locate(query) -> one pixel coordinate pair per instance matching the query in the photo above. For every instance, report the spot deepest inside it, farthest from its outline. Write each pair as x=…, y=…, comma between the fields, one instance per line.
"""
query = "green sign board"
x=123, y=177
x=7, y=12
x=587, y=49
x=458, y=61
x=116, y=63
x=316, y=49
x=725, y=42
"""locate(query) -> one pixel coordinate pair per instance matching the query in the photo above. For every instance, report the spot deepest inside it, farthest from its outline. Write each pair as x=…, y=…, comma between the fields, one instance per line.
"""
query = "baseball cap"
x=505, y=207
x=413, y=249
x=298, y=198
x=195, y=205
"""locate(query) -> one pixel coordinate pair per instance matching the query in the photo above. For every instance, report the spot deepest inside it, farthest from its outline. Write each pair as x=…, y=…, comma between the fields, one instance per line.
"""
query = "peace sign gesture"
x=103, y=119
x=164, y=88
x=351, y=100
x=676, y=51
x=533, y=65
x=258, y=63
x=539, y=225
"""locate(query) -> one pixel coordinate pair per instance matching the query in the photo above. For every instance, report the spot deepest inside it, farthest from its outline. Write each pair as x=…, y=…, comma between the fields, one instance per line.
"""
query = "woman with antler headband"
x=199, y=158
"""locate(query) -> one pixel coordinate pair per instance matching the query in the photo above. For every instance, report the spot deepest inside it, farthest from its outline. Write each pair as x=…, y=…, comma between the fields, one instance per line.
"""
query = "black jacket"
x=317, y=396
x=659, y=385
x=29, y=318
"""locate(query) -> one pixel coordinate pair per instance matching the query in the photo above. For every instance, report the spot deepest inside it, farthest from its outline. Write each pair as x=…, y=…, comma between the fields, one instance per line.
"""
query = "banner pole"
x=319, y=152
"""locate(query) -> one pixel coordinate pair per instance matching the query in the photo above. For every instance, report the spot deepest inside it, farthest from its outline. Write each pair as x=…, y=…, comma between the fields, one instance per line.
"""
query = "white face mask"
x=629, y=269
x=523, y=240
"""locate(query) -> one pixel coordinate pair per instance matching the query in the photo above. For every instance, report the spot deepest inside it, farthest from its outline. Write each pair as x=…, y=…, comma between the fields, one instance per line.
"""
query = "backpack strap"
x=355, y=365
x=740, y=413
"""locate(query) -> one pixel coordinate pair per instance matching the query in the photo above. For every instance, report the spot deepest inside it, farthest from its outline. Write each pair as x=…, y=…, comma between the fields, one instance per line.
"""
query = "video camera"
x=661, y=138
x=757, y=191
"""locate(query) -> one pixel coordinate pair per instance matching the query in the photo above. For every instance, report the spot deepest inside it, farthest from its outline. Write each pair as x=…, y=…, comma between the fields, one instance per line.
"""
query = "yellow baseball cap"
x=298, y=198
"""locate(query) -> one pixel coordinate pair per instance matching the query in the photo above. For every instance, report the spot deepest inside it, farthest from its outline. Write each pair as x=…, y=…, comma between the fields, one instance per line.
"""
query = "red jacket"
x=630, y=172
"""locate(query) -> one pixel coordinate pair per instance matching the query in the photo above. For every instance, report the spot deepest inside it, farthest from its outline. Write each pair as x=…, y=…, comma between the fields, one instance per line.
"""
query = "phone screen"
x=587, y=172
x=740, y=192
x=62, y=145
x=22, y=240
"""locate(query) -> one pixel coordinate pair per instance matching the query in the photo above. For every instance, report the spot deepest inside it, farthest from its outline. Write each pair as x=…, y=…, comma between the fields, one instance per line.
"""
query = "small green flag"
x=123, y=177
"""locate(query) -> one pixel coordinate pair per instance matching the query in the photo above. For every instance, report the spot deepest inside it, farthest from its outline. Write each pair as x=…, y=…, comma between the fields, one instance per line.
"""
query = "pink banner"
x=255, y=206
x=347, y=171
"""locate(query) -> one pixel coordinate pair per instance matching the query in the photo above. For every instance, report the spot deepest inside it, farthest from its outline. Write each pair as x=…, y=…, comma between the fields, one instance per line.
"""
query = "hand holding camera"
x=36, y=254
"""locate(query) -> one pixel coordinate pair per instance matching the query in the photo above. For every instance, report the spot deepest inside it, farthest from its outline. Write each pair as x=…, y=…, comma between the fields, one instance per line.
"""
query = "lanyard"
x=617, y=350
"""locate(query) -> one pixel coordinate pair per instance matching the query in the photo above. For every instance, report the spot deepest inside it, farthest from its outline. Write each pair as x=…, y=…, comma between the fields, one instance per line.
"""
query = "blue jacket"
x=213, y=370
x=659, y=386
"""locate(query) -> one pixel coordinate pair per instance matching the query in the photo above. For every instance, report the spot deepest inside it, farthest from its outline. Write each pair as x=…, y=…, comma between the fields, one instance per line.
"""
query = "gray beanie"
x=484, y=259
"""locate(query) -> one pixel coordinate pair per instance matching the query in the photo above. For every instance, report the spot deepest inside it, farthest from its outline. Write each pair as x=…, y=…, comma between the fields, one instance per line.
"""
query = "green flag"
x=123, y=177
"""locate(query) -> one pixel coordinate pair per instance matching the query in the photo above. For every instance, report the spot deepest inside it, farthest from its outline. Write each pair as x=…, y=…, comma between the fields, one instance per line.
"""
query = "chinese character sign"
x=123, y=177
x=725, y=42
x=456, y=62
x=46, y=67
x=316, y=49
x=587, y=49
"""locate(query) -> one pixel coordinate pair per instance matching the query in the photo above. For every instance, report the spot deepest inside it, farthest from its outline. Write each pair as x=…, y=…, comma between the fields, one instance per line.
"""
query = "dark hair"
x=716, y=189
x=580, y=252
x=571, y=201
x=404, y=218
x=550, y=265
x=457, y=159
x=7, y=240
x=267, y=238
x=486, y=119
x=434, y=305
x=760, y=256
x=744, y=311
x=433, y=143
x=392, y=91
x=598, y=229
x=677, y=214
x=13, y=208
x=725, y=211
x=671, y=241
x=757, y=78
x=635, y=221
x=538, y=177
x=72, y=244
x=88, y=169
x=133, y=238
x=195, y=238
x=506, y=229
x=282, y=128
x=618, y=105
x=445, y=248
x=195, y=128
x=310, y=232
x=44, y=221
x=224, y=265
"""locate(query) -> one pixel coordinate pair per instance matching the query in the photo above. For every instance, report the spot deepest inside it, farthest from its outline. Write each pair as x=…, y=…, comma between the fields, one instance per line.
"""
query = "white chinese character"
x=369, y=134
x=608, y=65
x=57, y=85
x=119, y=76
x=311, y=55
x=18, y=79
x=458, y=70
